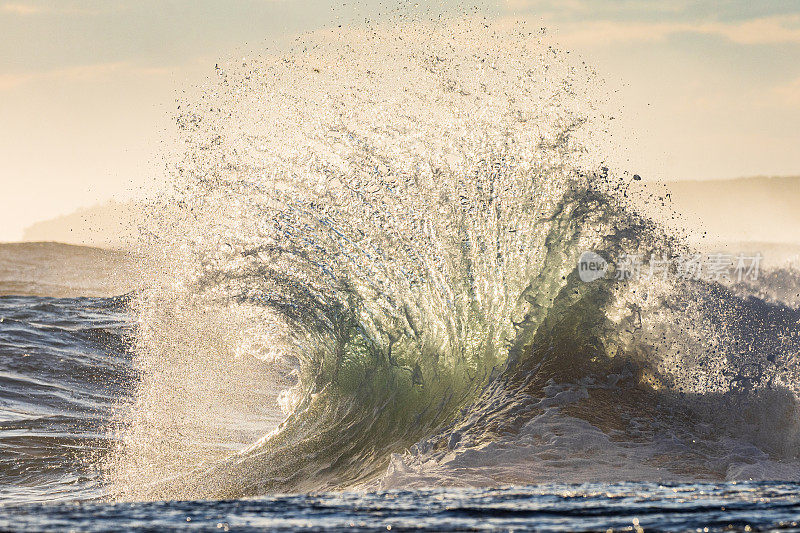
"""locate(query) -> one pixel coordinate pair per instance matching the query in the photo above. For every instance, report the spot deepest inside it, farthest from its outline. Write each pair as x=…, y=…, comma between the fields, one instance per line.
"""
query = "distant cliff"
x=110, y=225
x=761, y=209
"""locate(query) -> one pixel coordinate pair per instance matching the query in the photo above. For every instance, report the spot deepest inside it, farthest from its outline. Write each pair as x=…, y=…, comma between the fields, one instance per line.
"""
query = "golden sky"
x=87, y=88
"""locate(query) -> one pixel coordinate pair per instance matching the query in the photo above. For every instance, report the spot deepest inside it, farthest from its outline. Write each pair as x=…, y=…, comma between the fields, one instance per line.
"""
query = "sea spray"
x=378, y=230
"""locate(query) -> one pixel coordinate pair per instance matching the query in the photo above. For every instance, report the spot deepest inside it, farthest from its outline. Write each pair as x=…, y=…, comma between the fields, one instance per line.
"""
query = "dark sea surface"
x=63, y=366
x=586, y=507
x=66, y=364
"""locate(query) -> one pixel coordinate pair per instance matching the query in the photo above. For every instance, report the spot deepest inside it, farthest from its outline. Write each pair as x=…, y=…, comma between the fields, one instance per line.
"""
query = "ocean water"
x=358, y=306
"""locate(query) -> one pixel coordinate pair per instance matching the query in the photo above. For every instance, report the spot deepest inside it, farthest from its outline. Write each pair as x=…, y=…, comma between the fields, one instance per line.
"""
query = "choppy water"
x=587, y=507
x=363, y=285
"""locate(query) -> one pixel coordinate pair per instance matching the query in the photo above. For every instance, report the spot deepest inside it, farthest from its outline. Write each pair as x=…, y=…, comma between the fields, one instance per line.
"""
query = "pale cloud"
x=78, y=74
x=768, y=30
x=63, y=8
x=574, y=8
x=21, y=9
x=589, y=21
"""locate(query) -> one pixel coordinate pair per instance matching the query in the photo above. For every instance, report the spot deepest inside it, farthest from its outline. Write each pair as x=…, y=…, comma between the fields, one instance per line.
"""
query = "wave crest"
x=388, y=249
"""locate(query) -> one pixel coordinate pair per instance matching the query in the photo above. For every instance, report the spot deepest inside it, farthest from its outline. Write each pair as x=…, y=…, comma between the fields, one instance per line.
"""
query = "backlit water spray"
x=365, y=275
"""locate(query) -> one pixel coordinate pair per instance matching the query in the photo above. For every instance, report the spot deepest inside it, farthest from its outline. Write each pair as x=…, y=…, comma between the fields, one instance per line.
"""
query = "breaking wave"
x=366, y=276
